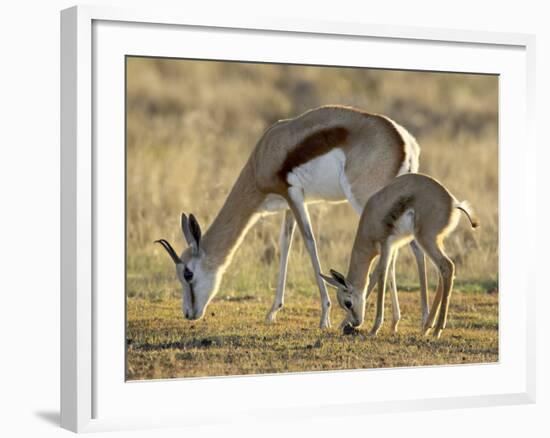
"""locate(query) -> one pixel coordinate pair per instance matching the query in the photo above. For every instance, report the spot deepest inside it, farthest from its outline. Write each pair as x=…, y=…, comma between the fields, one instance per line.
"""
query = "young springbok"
x=332, y=154
x=412, y=206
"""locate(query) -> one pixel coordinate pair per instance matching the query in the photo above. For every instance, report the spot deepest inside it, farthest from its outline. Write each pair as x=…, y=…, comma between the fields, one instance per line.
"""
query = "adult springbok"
x=413, y=206
x=332, y=154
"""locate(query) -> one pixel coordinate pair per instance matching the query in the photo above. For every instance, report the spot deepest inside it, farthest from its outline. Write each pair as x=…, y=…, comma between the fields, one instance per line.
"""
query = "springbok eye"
x=187, y=274
x=347, y=304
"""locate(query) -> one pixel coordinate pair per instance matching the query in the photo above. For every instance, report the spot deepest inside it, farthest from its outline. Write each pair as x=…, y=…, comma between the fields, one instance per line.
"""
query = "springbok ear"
x=339, y=278
x=191, y=230
x=195, y=228
x=330, y=281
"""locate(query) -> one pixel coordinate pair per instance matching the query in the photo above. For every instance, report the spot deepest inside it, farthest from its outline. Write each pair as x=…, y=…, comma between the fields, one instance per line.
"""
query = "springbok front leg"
x=421, y=264
x=296, y=202
x=396, y=312
x=382, y=273
x=285, y=242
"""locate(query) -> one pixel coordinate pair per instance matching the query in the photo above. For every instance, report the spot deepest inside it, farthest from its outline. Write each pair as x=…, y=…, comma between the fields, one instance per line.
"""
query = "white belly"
x=320, y=178
x=273, y=204
x=403, y=229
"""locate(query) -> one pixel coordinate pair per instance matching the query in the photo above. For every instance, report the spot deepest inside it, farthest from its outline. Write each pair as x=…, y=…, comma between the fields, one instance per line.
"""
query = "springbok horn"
x=169, y=250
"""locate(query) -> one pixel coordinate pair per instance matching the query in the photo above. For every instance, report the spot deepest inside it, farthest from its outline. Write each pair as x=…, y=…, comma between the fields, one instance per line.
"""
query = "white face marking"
x=356, y=312
x=320, y=178
x=199, y=290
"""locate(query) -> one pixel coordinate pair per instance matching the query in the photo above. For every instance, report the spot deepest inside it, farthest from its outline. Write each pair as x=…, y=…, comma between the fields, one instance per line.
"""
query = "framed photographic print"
x=233, y=193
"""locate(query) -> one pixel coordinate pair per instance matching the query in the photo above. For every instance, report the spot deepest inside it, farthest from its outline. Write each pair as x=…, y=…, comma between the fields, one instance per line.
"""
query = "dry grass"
x=233, y=339
x=190, y=127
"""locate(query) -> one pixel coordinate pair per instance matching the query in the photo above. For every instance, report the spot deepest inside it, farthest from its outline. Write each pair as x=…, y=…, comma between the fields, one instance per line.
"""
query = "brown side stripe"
x=314, y=145
x=396, y=211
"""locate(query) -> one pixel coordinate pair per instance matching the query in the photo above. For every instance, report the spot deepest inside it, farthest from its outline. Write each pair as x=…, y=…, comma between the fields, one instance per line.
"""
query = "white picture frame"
x=92, y=391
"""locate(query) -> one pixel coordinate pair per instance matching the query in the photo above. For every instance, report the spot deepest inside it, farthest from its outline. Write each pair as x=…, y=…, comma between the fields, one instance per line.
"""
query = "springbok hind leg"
x=430, y=320
x=446, y=271
x=285, y=242
x=298, y=207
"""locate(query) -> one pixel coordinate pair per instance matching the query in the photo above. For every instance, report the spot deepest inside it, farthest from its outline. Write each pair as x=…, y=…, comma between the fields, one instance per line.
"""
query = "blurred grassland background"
x=191, y=126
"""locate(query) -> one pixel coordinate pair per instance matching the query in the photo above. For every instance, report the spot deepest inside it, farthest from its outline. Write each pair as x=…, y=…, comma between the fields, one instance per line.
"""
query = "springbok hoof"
x=373, y=333
x=394, y=326
x=426, y=329
x=424, y=321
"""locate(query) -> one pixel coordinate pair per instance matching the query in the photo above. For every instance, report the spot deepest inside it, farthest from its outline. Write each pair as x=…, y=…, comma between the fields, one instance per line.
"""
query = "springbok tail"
x=466, y=207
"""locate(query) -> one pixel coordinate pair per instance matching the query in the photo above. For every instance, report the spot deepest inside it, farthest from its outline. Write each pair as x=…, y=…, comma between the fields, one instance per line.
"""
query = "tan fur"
x=434, y=214
x=376, y=149
x=365, y=139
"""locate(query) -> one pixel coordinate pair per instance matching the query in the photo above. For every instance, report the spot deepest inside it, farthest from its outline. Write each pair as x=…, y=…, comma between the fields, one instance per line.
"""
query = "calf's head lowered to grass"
x=352, y=301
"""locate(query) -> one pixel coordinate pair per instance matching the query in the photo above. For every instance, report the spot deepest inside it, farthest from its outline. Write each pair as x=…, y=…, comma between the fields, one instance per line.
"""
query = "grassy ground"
x=191, y=126
x=233, y=338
